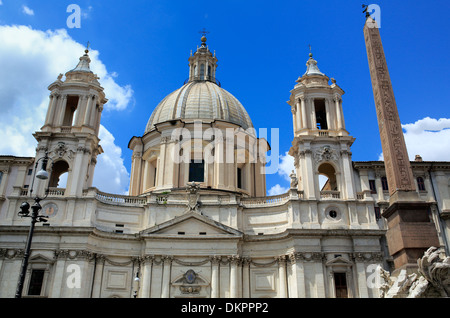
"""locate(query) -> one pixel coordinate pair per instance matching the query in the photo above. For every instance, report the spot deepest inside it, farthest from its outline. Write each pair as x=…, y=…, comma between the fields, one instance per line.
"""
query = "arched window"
x=420, y=184
x=202, y=71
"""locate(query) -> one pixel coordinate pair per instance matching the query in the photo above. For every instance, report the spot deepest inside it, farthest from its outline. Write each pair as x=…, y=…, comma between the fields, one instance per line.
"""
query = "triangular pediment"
x=191, y=224
x=339, y=261
x=39, y=258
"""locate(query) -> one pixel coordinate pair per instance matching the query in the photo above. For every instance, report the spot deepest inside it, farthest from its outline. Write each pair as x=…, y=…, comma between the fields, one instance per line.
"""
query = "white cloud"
x=30, y=60
x=427, y=137
x=277, y=189
x=27, y=10
x=285, y=167
x=110, y=174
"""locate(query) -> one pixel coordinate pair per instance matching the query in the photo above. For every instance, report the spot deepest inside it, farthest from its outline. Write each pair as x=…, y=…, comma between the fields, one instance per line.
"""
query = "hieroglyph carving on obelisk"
x=397, y=165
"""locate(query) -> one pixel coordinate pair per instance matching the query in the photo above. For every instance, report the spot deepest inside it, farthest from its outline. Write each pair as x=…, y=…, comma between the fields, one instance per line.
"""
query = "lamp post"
x=136, y=285
x=35, y=218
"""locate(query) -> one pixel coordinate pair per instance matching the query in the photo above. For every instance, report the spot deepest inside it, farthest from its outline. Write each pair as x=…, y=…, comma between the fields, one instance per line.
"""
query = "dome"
x=200, y=100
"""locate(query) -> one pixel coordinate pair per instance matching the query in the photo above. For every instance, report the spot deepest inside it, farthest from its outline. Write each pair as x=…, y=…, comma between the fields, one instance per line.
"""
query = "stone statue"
x=432, y=279
x=294, y=180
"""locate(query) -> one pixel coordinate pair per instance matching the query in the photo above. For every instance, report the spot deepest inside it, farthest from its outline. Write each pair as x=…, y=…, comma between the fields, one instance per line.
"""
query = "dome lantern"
x=203, y=64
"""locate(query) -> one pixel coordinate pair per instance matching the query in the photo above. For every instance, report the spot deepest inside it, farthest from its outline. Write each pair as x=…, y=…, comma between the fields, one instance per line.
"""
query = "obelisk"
x=411, y=231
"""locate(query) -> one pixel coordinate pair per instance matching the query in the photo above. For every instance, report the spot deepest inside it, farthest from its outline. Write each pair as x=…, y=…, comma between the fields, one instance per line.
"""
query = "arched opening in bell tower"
x=329, y=177
x=71, y=108
x=58, y=178
x=321, y=114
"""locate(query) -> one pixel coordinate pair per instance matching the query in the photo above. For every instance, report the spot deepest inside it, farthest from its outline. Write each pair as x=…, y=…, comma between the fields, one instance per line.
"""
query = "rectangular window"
x=340, y=285
x=239, y=178
x=384, y=183
x=197, y=171
x=321, y=114
x=377, y=213
x=372, y=187
x=71, y=107
x=36, y=281
x=420, y=184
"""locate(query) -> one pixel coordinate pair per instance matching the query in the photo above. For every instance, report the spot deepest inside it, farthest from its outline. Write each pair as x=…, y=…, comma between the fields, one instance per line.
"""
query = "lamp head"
x=42, y=174
x=24, y=209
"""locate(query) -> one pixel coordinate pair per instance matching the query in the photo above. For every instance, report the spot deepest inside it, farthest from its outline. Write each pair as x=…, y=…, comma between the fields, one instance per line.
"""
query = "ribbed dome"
x=200, y=100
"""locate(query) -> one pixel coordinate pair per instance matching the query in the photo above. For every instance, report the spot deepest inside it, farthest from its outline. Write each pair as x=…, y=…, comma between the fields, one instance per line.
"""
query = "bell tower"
x=70, y=132
x=321, y=145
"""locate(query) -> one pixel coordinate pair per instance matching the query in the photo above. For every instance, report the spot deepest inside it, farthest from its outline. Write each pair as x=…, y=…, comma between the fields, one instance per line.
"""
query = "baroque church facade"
x=197, y=221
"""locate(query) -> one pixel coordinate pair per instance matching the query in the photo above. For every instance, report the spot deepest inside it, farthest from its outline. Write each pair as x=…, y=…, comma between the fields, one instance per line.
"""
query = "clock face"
x=50, y=210
x=190, y=276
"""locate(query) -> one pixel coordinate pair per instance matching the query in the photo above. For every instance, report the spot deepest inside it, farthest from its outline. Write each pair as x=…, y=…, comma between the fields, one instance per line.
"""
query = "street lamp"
x=35, y=217
x=136, y=285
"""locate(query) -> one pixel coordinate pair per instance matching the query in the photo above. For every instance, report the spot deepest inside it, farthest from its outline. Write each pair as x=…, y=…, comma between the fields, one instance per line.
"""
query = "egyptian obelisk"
x=411, y=231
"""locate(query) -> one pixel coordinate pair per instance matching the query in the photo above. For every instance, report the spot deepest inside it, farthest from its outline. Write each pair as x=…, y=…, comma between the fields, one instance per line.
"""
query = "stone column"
x=317, y=258
x=298, y=275
x=338, y=112
x=215, y=288
x=303, y=112
x=294, y=119
x=88, y=111
x=246, y=278
x=298, y=115
x=51, y=110
x=282, y=276
x=165, y=290
x=330, y=124
x=146, y=276
x=61, y=110
x=98, y=273
x=58, y=276
x=348, y=174
x=234, y=260
x=361, y=275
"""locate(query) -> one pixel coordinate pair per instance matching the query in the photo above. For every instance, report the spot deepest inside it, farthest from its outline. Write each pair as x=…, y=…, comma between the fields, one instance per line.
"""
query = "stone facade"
x=214, y=237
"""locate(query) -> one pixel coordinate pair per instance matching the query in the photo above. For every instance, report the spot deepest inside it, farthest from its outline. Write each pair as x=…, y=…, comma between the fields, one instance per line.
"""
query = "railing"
x=328, y=194
x=266, y=201
x=66, y=129
x=56, y=191
x=51, y=192
x=119, y=199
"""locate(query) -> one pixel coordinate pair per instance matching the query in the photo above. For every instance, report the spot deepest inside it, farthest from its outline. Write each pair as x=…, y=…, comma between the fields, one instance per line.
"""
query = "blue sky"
x=262, y=48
